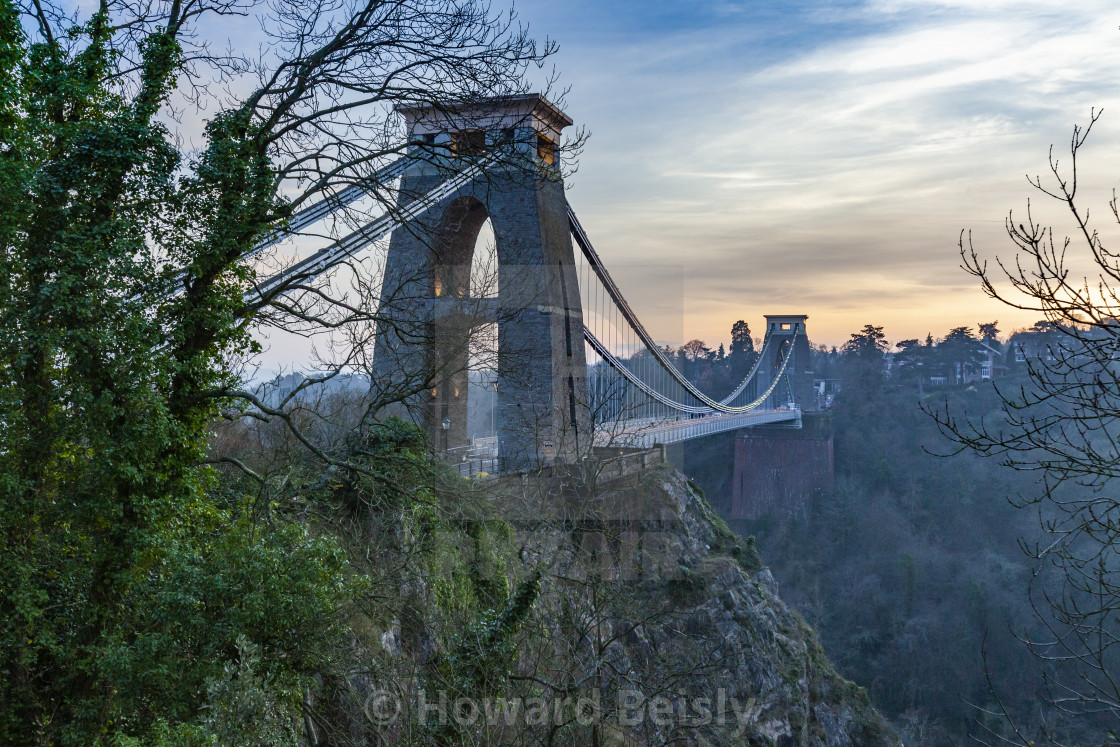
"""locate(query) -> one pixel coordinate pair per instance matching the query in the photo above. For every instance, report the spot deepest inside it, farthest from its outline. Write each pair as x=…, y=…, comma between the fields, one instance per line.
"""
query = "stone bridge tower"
x=428, y=321
x=788, y=337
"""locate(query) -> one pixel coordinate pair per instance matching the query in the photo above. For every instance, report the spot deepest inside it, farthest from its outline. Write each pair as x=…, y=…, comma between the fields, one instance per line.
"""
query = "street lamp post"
x=446, y=423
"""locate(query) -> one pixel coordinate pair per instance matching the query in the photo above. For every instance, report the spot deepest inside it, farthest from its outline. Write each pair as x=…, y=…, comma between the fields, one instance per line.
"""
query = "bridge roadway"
x=649, y=433
x=482, y=458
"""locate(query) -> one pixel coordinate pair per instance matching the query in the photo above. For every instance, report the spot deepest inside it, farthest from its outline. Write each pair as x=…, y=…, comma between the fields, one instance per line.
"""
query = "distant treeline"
x=910, y=569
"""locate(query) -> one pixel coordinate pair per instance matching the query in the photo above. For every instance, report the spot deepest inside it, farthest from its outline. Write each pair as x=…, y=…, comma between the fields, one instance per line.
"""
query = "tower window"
x=425, y=141
x=546, y=149
x=468, y=142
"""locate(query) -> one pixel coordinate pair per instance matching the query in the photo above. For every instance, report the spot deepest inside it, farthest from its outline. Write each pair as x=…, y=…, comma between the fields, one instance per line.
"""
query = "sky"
x=751, y=157
x=823, y=157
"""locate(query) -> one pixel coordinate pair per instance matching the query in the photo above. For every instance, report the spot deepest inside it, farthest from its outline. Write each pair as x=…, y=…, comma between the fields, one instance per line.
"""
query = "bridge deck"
x=646, y=434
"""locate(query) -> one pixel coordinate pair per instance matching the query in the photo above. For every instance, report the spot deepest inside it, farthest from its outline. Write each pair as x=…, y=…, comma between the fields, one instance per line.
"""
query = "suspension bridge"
x=576, y=370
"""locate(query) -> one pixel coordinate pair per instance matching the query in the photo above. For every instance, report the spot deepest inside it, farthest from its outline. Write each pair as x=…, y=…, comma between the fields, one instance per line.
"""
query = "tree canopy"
x=133, y=573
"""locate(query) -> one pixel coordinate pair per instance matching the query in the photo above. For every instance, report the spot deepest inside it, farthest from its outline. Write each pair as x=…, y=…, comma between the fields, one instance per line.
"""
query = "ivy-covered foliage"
x=479, y=658
x=129, y=583
x=443, y=571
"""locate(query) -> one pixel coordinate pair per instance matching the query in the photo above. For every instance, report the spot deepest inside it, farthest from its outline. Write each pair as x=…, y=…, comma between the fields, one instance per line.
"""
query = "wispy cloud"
x=832, y=172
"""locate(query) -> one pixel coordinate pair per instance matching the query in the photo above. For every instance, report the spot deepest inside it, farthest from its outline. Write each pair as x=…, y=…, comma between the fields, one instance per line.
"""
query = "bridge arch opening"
x=464, y=284
x=482, y=397
x=780, y=355
x=454, y=247
x=484, y=263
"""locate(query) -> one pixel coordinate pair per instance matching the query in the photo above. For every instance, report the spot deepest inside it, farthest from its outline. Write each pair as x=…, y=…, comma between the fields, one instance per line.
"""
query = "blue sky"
x=822, y=158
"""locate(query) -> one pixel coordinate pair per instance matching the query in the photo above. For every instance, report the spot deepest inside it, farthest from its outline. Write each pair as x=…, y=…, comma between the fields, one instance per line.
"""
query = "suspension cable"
x=632, y=319
x=629, y=375
x=379, y=227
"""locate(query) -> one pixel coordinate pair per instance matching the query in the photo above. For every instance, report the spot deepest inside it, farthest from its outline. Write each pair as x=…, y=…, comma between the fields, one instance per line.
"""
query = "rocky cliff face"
x=723, y=606
x=639, y=619
x=714, y=628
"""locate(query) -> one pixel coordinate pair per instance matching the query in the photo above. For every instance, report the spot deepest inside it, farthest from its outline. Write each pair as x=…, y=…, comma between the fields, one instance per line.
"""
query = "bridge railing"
x=675, y=431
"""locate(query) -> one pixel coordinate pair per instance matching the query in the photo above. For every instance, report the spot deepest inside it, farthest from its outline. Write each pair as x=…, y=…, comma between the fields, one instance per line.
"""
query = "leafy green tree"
x=910, y=357
x=126, y=577
x=863, y=358
x=958, y=355
x=989, y=332
x=133, y=574
x=868, y=344
x=741, y=341
x=741, y=355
